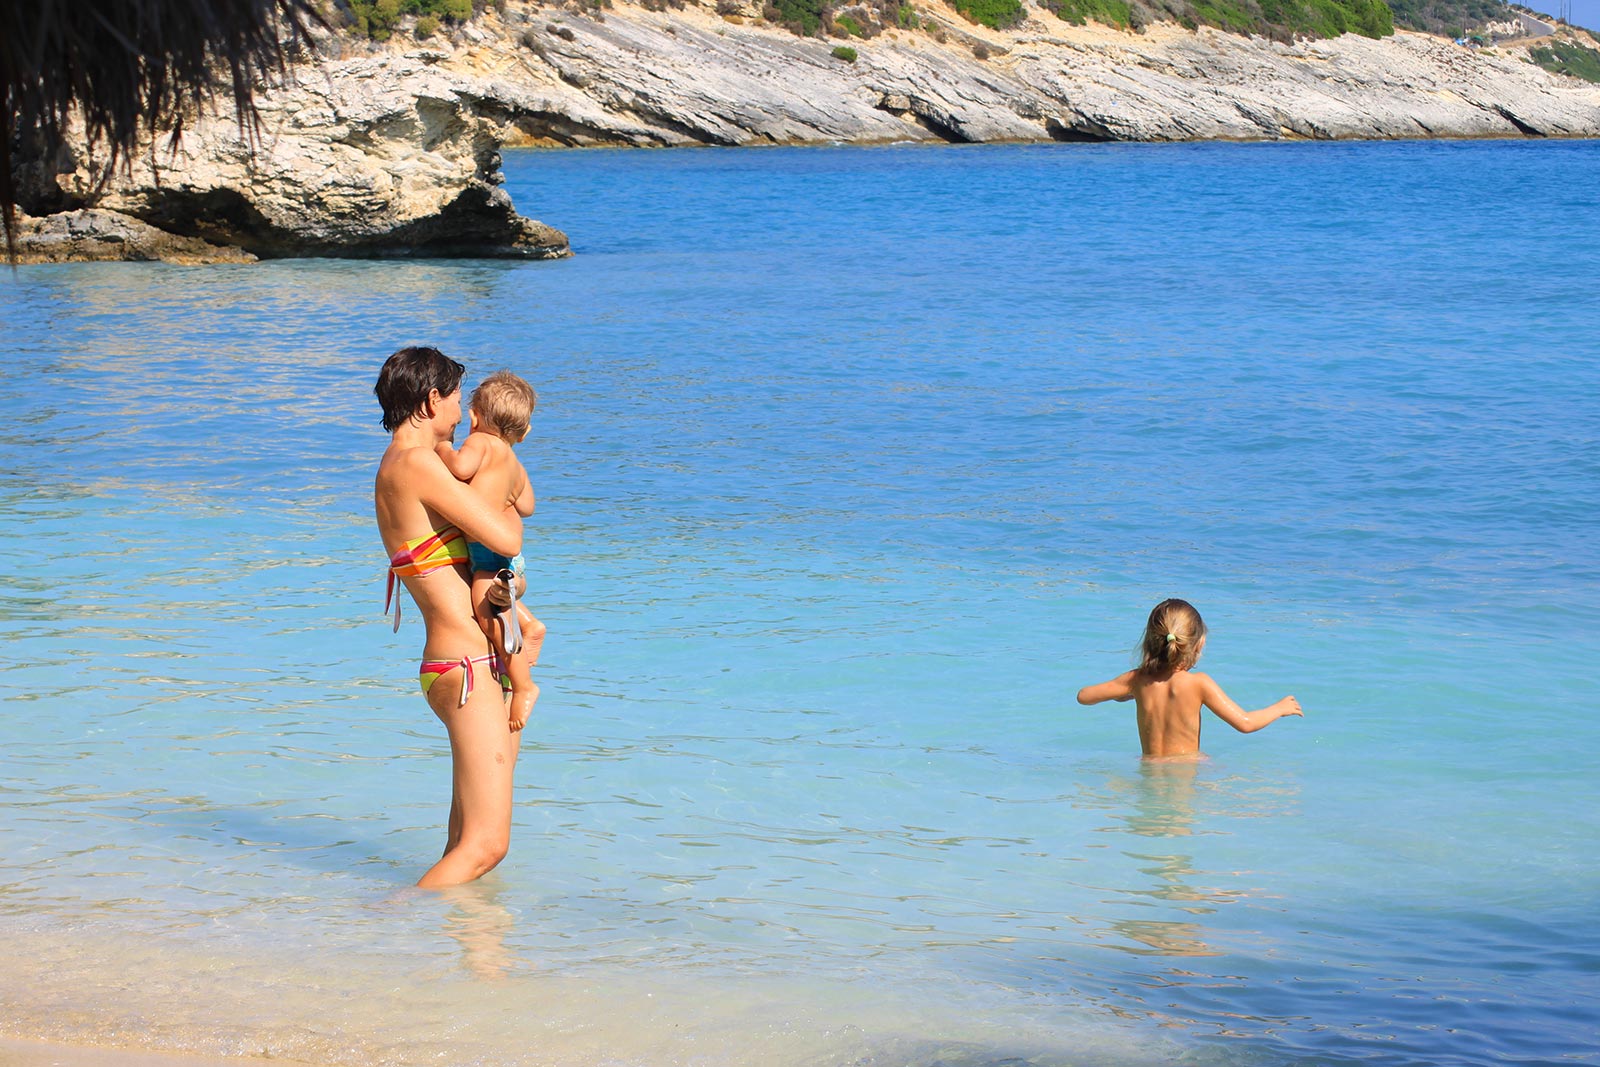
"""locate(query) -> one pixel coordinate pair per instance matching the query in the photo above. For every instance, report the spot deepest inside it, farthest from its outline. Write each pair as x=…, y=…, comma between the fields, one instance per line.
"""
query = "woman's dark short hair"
x=408, y=377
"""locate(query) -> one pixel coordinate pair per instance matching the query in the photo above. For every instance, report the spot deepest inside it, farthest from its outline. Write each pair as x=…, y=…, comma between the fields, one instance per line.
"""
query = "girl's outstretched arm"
x=1246, y=722
x=1119, y=688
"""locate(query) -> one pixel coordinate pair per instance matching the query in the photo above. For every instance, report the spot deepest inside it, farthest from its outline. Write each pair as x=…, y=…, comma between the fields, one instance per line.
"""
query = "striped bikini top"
x=420, y=557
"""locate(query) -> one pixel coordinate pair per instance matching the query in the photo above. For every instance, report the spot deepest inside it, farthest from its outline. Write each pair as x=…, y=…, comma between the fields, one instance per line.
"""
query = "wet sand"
x=15, y=1052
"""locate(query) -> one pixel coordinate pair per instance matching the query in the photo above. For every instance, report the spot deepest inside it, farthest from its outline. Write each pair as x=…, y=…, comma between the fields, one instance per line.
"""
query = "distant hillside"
x=1449, y=18
x=1279, y=20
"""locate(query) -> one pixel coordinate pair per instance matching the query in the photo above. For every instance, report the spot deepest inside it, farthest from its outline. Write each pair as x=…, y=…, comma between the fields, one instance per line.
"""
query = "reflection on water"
x=480, y=922
x=1173, y=800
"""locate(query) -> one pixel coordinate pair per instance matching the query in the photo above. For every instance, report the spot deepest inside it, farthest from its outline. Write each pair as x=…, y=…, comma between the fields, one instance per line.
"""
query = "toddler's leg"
x=524, y=691
x=532, y=634
x=482, y=608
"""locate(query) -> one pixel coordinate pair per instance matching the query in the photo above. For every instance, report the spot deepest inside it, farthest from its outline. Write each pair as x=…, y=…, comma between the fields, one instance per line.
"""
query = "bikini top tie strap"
x=388, y=597
x=417, y=560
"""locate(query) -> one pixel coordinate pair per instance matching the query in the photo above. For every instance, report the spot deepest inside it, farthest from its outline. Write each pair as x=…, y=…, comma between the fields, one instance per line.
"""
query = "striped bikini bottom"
x=432, y=670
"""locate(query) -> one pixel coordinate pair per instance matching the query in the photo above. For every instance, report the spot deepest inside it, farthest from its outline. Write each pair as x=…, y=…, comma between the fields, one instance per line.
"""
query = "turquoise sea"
x=853, y=465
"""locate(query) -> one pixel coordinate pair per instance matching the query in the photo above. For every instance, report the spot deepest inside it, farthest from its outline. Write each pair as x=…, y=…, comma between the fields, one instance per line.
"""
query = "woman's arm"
x=1119, y=688
x=496, y=528
x=1246, y=722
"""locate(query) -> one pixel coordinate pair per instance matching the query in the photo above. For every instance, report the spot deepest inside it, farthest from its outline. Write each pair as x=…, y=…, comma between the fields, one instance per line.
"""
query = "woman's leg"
x=483, y=755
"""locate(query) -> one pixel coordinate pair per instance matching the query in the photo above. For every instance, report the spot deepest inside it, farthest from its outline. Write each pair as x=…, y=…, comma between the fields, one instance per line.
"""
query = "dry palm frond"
x=131, y=66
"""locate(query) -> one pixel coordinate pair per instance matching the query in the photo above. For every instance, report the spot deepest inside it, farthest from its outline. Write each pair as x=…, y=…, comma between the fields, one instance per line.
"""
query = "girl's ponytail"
x=1172, y=638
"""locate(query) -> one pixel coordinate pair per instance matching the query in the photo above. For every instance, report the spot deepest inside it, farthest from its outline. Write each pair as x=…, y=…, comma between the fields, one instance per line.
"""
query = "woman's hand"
x=500, y=595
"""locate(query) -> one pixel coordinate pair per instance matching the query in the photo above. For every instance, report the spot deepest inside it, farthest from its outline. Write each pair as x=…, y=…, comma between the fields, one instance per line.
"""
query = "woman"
x=425, y=518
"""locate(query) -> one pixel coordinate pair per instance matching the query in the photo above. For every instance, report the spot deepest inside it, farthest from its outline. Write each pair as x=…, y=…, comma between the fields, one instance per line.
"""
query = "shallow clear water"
x=853, y=465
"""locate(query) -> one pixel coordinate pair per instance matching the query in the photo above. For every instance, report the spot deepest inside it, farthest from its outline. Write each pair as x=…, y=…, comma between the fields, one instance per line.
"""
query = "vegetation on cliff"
x=1448, y=18
x=1568, y=57
x=1281, y=20
x=379, y=19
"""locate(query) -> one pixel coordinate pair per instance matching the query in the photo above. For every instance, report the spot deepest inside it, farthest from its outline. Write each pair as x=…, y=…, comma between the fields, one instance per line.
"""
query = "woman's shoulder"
x=408, y=477
x=408, y=462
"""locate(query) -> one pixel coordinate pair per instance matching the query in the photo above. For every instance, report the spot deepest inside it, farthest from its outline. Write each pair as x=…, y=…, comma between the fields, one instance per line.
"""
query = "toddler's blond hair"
x=504, y=405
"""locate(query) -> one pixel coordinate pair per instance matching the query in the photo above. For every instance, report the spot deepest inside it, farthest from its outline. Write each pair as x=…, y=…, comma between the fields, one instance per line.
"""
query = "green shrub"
x=1452, y=17
x=1226, y=15
x=427, y=26
x=377, y=18
x=906, y=16
x=995, y=14
x=1286, y=19
x=1572, y=59
x=845, y=52
x=849, y=25
x=1106, y=12
x=802, y=16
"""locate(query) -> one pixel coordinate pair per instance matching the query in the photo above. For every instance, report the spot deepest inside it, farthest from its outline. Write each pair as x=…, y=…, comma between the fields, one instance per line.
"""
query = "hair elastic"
x=1171, y=638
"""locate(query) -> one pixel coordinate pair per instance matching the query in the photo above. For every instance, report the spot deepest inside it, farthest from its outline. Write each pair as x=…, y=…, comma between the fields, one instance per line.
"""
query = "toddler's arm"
x=525, y=497
x=463, y=462
x=1119, y=688
x=1246, y=722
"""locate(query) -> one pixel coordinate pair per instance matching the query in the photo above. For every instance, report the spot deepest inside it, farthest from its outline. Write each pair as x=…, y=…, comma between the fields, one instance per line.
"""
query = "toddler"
x=501, y=409
x=1168, y=693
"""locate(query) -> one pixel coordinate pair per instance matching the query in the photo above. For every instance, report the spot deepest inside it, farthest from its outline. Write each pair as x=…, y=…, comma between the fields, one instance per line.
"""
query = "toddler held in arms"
x=1168, y=693
x=501, y=409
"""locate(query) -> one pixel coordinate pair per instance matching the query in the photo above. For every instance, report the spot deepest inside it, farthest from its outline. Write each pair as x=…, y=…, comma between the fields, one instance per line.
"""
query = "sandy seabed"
x=18, y=1053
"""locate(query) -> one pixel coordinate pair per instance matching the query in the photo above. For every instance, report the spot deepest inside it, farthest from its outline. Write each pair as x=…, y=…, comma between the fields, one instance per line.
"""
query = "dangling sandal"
x=510, y=628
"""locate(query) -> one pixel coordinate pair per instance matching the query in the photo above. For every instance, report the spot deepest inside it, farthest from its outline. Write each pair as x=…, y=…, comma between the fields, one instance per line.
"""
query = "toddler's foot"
x=522, y=701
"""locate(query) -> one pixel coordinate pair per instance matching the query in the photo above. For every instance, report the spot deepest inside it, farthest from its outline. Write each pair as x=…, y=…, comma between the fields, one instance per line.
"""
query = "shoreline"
x=39, y=1052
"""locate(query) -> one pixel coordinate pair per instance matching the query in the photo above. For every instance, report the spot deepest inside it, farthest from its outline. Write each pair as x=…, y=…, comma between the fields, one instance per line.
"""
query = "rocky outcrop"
x=92, y=235
x=394, y=149
x=376, y=156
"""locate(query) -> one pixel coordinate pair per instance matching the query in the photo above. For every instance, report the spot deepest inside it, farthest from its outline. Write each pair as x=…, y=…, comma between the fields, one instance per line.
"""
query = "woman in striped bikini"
x=426, y=517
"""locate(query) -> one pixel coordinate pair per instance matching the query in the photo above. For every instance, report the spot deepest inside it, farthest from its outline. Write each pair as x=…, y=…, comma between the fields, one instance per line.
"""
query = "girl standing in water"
x=1168, y=693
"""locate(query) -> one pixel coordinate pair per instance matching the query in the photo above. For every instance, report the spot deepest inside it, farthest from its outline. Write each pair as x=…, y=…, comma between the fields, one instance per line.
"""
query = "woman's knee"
x=485, y=850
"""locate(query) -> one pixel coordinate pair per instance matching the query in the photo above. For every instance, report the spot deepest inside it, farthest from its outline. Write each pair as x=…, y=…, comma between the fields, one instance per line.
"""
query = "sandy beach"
x=17, y=1053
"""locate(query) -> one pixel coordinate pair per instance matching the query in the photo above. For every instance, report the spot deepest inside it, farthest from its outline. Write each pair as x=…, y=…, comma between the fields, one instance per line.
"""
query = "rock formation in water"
x=384, y=155
x=394, y=149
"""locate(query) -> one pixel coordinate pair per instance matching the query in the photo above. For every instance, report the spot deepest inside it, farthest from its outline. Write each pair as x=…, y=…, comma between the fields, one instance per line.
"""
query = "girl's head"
x=503, y=404
x=408, y=380
x=1173, y=638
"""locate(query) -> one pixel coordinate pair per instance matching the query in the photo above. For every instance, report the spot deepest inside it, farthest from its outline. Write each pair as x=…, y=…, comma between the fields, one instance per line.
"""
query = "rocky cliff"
x=394, y=149
x=630, y=76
